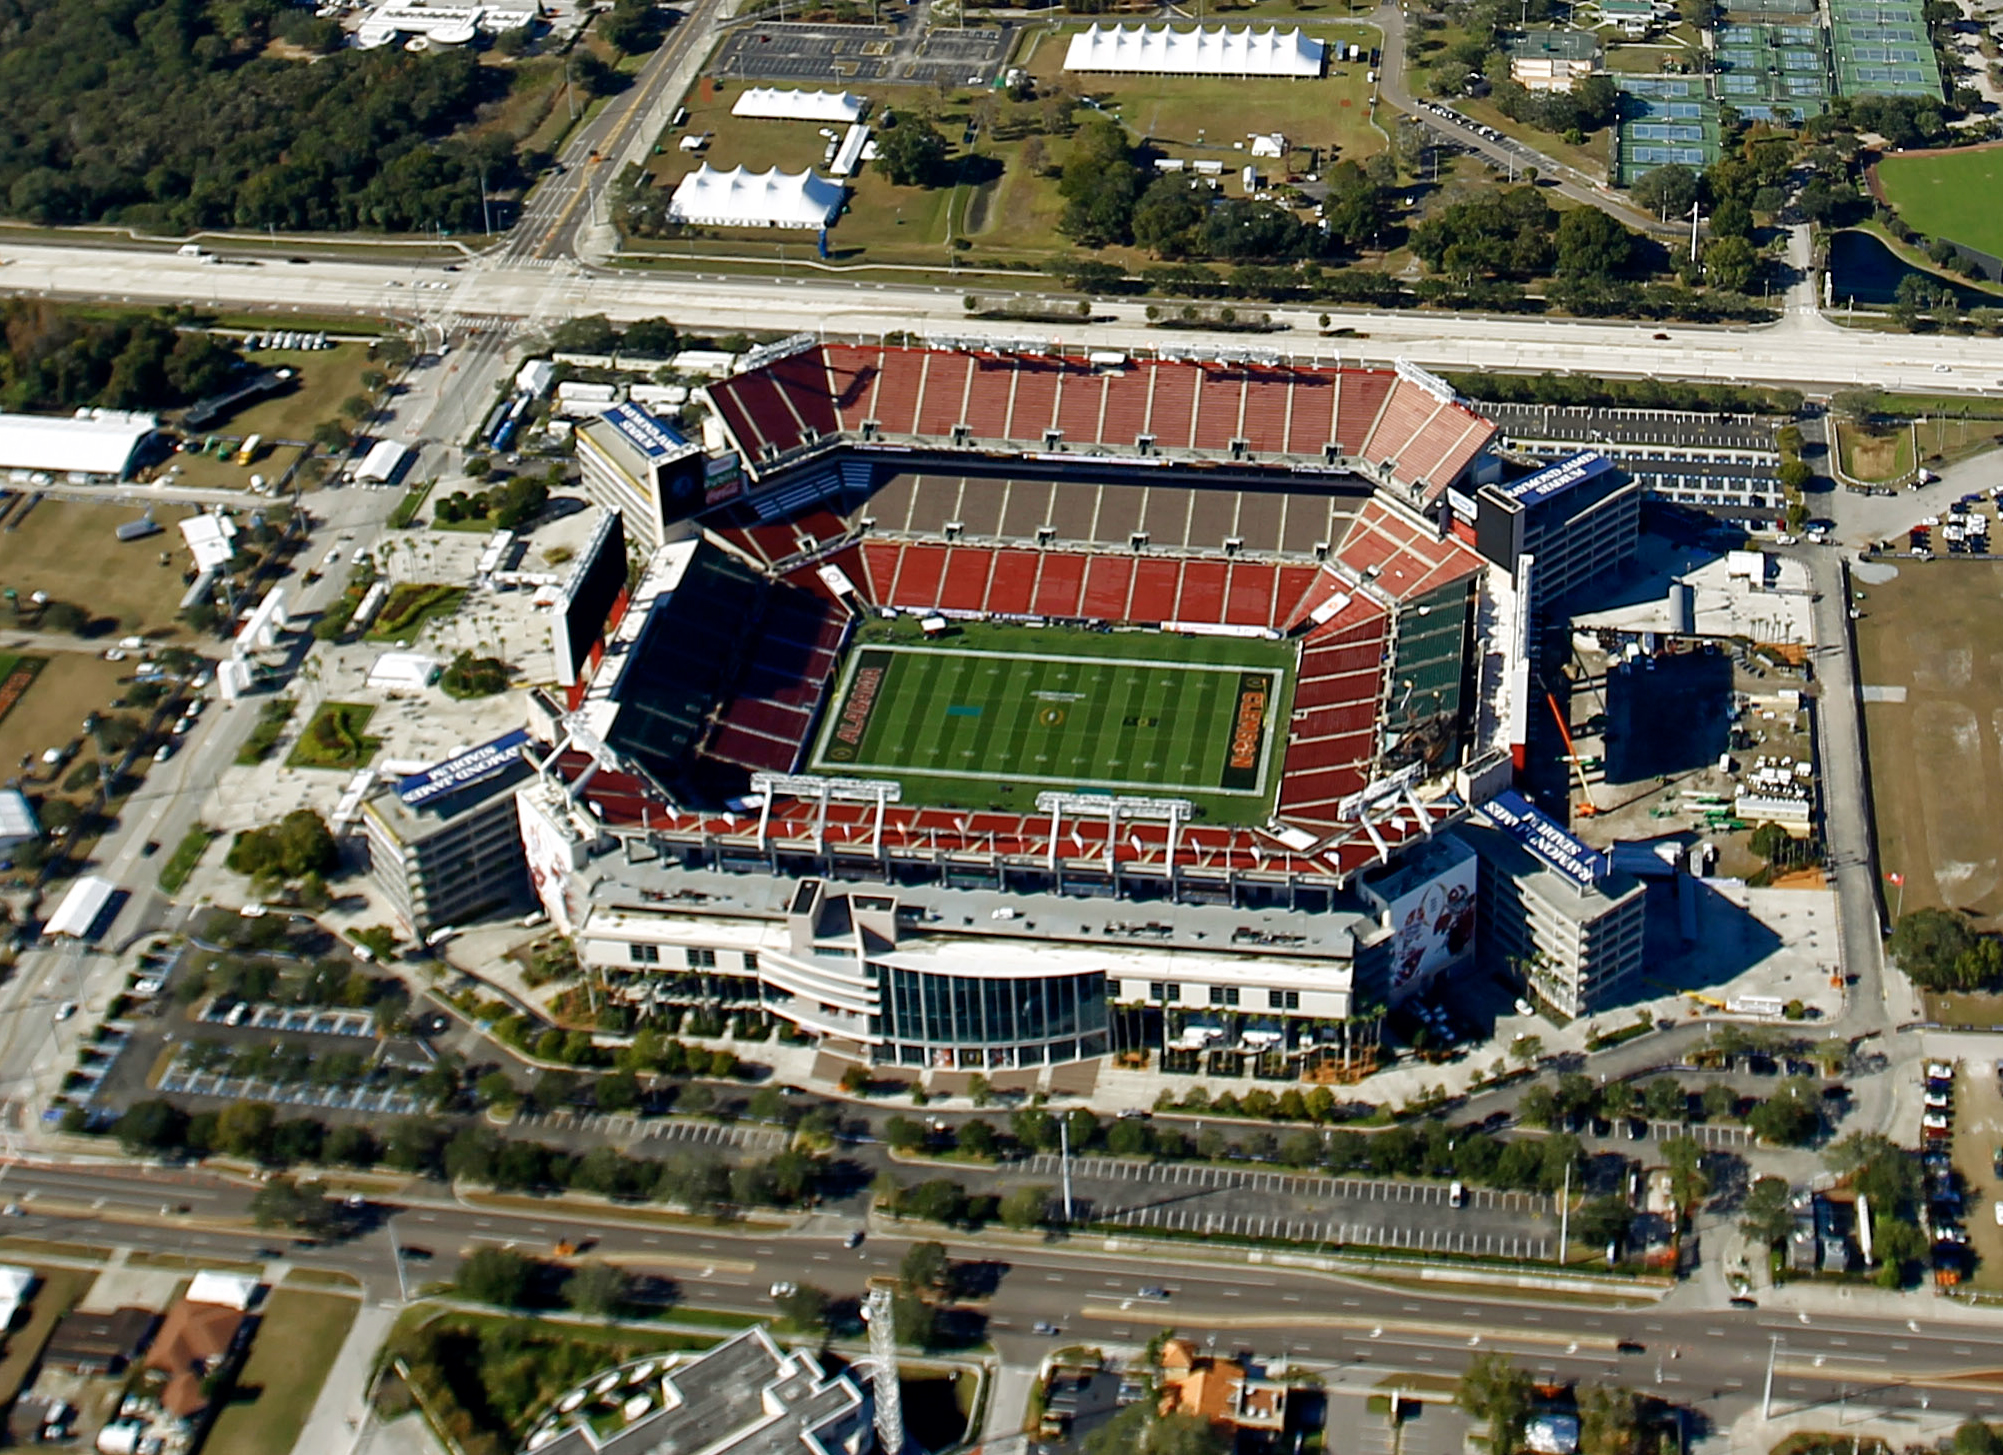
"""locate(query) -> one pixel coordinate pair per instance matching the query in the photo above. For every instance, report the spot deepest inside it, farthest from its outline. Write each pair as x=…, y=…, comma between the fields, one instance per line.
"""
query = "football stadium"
x=972, y=643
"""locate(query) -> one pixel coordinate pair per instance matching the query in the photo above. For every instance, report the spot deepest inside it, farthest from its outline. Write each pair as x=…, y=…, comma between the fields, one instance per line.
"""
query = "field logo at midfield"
x=1248, y=731
x=861, y=701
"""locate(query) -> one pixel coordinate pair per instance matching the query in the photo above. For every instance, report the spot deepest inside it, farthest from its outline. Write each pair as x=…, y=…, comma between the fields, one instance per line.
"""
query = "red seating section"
x=1277, y=410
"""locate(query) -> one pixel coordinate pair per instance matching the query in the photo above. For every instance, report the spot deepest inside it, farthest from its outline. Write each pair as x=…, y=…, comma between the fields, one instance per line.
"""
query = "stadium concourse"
x=1284, y=503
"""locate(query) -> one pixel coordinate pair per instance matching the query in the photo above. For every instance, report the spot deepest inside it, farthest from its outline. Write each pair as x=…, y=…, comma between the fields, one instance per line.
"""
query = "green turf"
x=988, y=716
x=1954, y=194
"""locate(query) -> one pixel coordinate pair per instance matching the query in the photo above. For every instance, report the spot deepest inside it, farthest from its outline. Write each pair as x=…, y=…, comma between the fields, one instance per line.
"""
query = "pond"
x=1863, y=269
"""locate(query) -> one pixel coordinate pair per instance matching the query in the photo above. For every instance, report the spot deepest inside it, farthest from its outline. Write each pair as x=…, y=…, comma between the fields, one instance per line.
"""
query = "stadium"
x=1009, y=631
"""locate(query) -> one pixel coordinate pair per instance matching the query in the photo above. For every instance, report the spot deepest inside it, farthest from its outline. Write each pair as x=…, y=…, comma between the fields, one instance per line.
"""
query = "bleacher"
x=1202, y=408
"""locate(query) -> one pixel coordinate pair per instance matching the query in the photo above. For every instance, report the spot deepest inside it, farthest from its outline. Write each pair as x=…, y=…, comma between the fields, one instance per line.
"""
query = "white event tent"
x=743, y=198
x=1226, y=50
x=770, y=103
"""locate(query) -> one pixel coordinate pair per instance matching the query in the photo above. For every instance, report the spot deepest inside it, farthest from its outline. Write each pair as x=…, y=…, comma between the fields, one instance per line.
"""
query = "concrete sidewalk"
x=337, y=1414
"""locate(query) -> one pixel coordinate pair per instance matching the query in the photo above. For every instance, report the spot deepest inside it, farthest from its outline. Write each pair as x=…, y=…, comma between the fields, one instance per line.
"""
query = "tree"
x=151, y=1126
x=243, y=1129
x=1609, y=1421
x=1730, y=263
x=1100, y=184
x=978, y=1138
x=1688, y=1185
x=1537, y=1107
x=1767, y=1215
x=1790, y=1117
x=283, y=1203
x=1592, y=245
x=1667, y=191
x=1526, y=1049
x=499, y=1276
x=1604, y=1220
x=1719, y=1100
x=1495, y=1390
x=1939, y=950
x=598, y=1289
x=1167, y=216
x=911, y=153
x=923, y=1269
x=1024, y=1207
x=1619, y=1099
x=903, y=1134
x=915, y=1320
x=803, y=1309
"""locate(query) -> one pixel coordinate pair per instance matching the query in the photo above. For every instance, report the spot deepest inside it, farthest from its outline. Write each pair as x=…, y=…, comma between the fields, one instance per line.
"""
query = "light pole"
x=396, y=1256
x=1766, y=1401
x=1064, y=1163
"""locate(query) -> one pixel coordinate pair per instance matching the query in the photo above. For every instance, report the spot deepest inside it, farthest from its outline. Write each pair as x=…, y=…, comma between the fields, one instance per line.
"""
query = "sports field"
x=1956, y=194
x=987, y=716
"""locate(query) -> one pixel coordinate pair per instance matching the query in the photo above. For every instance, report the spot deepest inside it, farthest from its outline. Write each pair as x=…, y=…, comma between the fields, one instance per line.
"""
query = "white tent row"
x=743, y=198
x=771, y=103
x=1225, y=50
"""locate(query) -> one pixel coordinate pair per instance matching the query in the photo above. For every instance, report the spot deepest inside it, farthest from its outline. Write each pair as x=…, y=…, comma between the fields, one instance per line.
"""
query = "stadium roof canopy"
x=743, y=198
x=773, y=103
x=93, y=442
x=1225, y=50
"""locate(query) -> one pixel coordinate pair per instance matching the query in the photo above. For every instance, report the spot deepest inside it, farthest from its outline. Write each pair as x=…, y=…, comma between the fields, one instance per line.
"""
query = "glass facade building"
x=968, y=1020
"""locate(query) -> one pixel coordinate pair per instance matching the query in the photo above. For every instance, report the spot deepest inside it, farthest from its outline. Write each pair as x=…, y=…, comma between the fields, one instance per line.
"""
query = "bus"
x=249, y=450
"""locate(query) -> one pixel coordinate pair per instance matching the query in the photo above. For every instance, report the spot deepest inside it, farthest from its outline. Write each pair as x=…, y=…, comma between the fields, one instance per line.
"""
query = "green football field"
x=989, y=716
x=1952, y=194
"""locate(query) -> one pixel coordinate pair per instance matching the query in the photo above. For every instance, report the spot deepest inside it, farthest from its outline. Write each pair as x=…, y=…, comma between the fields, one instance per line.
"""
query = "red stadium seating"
x=1060, y=584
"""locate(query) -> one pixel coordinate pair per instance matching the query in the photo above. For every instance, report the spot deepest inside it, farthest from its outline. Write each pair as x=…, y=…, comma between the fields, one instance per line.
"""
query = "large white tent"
x=95, y=442
x=771, y=103
x=1224, y=50
x=743, y=198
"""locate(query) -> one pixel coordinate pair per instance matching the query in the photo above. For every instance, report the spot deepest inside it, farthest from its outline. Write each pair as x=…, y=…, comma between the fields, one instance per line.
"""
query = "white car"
x=67, y=1009
x=163, y=752
x=785, y=1289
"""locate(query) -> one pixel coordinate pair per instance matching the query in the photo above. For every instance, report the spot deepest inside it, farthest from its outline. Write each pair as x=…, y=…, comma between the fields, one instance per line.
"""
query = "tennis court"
x=988, y=716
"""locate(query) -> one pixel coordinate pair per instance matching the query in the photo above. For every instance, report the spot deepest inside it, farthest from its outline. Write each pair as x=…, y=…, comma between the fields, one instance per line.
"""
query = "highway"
x=1361, y=1330
x=499, y=294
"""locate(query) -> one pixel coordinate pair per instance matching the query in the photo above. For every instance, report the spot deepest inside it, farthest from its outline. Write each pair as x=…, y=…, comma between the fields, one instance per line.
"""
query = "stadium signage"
x=722, y=478
x=648, y=434
x=1538, y=832
x=1241, y=764
x=471, y=766
x=1572, y=471
x=854, y=719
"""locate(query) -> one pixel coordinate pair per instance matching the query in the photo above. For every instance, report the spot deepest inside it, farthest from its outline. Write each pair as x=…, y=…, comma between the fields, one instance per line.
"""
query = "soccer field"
x=1950, y=194
x=967, y=722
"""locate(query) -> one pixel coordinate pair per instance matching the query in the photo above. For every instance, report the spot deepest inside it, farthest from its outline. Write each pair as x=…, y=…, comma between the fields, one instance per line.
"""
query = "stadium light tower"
x=878, y=1313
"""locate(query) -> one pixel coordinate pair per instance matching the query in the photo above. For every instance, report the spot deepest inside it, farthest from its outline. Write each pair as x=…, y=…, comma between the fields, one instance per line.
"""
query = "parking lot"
x=1302, y=1207
x=633, y=1129
x=848, y=55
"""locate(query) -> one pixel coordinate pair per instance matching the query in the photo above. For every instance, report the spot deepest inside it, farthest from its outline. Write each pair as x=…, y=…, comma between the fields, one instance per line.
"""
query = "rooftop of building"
x=938, y=914
x=406, y=822
x=93, y=442
x=1553, y=45
x=1540, y=878
x=744, y=1397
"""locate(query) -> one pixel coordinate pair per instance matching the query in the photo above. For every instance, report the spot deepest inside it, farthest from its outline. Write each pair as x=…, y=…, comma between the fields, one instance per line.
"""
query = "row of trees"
x=55, y=358
x=697, y=1179
x=1791, y=1117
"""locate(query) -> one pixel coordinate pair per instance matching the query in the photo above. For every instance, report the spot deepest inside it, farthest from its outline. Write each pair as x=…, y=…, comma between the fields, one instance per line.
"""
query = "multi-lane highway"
x=1357, y=1328
x=500, y=294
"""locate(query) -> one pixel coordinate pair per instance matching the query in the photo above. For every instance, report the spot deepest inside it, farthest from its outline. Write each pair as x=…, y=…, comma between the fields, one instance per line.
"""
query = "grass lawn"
x=1871, y=458
x=988, y=716
x=325, y=378
x=51, y=712
x=187, y=854
x=1950, y=194
x=271, y=720
x=298, y=1335
x=1589, y=157
x=411, y=604
x=1936, y=759
x=335, y=738
x=68, y=548
x=58, y=1293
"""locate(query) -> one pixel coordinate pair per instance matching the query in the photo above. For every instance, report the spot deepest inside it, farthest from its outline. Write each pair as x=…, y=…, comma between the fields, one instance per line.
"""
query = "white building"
x=439, y=24
x=1224, y=50
x=773, y=103
x=92, y=444
x=743, y=198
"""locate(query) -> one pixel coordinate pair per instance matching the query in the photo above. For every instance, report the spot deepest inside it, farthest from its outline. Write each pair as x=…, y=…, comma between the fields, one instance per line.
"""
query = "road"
x=1360, y=1330
x=1796, y=351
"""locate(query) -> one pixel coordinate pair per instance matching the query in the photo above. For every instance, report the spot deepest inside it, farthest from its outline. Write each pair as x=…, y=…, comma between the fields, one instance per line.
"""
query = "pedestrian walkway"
x=342, y=1404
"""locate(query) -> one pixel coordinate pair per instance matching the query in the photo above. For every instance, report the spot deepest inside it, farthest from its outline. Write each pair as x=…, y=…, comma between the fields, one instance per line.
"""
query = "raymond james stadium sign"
x=1529, y=825
x=468, y=767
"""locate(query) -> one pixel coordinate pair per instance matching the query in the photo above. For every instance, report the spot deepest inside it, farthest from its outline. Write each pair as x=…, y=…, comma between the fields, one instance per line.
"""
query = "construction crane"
x=1587, y=808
